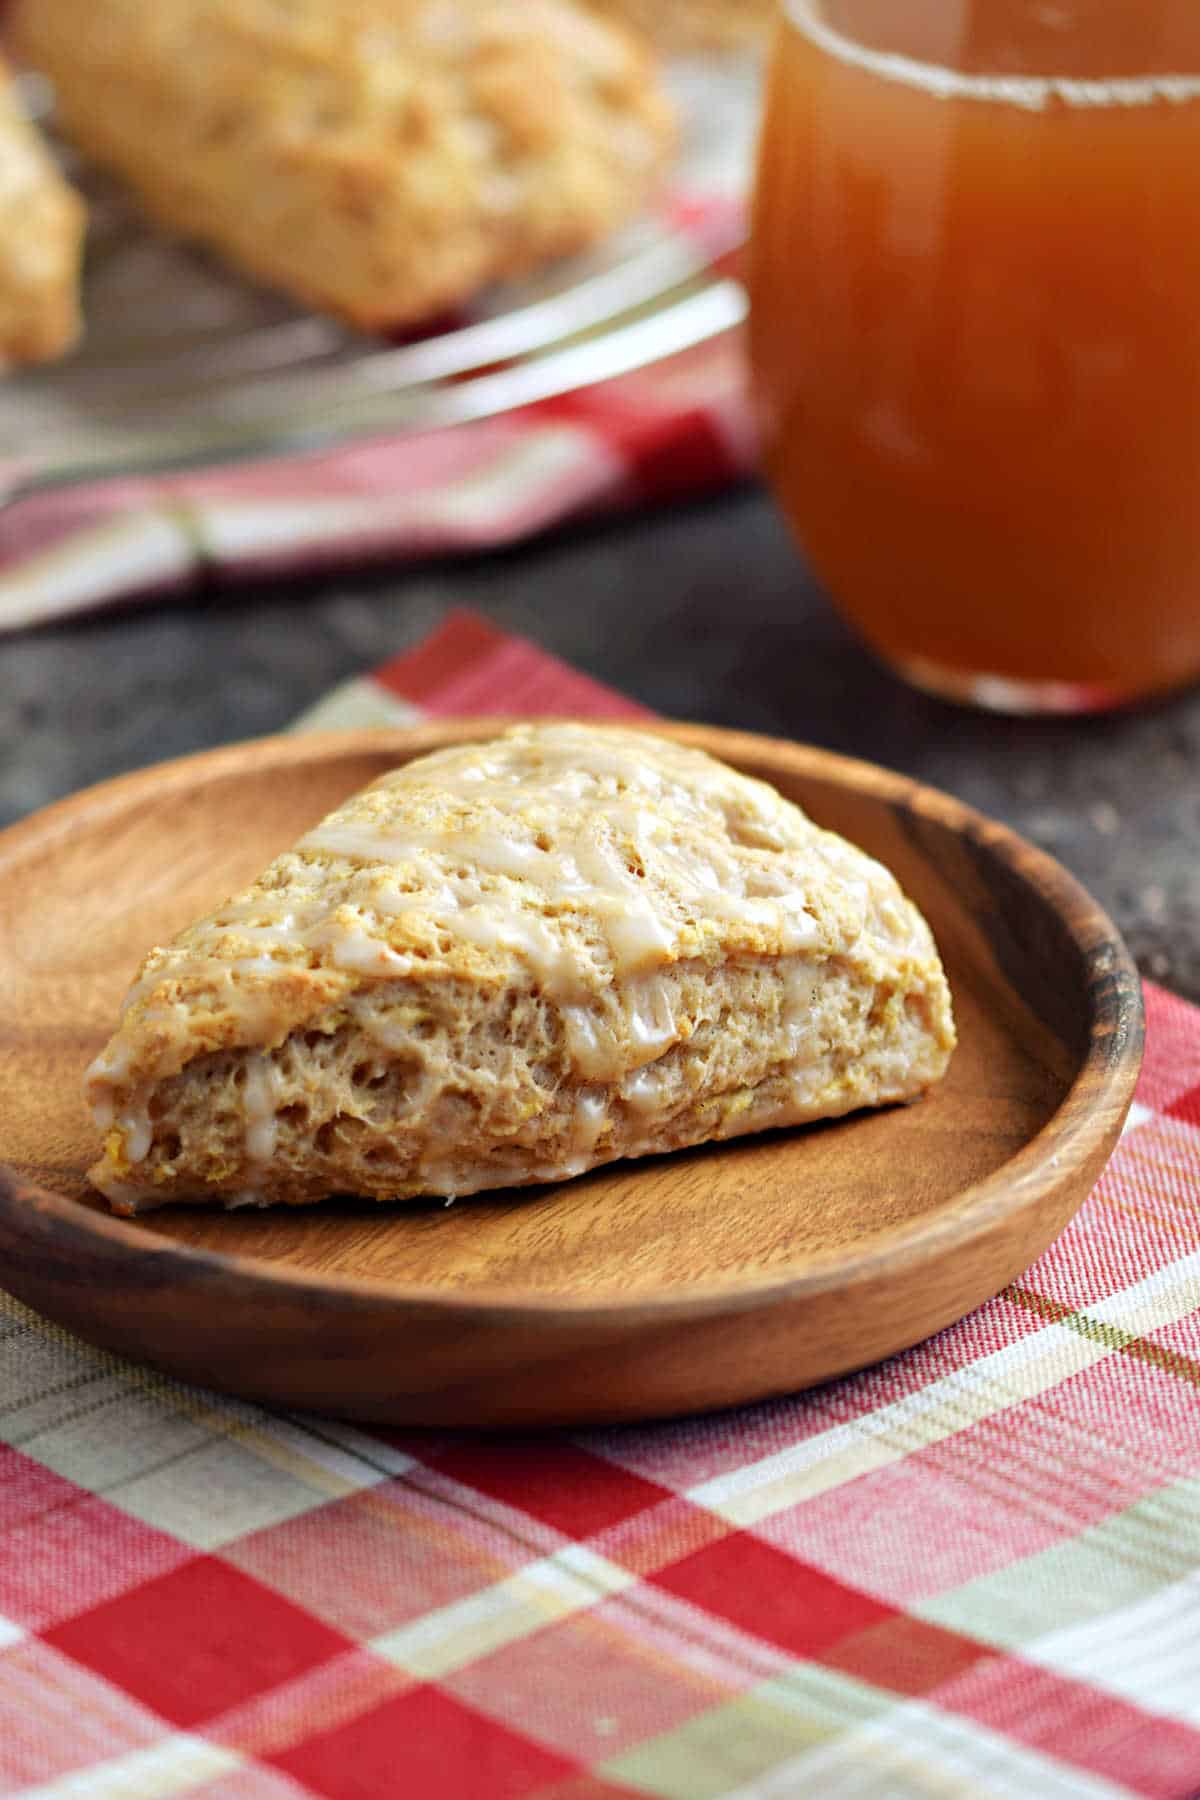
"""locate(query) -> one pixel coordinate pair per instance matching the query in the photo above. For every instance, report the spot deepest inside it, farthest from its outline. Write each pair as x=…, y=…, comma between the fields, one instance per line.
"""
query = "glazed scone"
x=378, y=159
x=42, y=226
x=508, y=963
x=694, y=24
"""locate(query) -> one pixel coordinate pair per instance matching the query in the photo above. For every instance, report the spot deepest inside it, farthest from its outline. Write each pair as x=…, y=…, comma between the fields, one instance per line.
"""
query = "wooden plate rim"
x=1099, y=1094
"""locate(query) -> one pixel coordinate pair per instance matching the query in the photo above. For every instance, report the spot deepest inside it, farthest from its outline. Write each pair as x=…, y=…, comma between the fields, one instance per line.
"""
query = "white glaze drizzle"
x=506, y=928
x=359, y=952
x=644, y=1090
x=801, y=980
x=113, y=1061
x=137, y=1132
x=591, y=1043
x=587, y=867
x=259, y=1100
x=650, y=1016
x=588, y=1122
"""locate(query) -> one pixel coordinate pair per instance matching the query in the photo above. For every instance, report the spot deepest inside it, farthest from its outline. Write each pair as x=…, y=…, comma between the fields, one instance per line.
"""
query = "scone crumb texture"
x=511, y=962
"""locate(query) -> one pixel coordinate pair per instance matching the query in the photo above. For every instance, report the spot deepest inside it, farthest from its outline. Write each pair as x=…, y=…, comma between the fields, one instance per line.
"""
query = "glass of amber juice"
x=975, y=335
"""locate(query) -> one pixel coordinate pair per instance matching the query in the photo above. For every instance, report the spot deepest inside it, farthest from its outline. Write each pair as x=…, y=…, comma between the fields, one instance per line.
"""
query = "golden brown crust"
x=381, y=159
x=42, y=226
x=508, y=963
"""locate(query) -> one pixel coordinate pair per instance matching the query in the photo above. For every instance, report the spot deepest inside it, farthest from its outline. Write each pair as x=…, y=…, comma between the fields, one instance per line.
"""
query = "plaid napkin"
x=682, y=427
x=972, y=1571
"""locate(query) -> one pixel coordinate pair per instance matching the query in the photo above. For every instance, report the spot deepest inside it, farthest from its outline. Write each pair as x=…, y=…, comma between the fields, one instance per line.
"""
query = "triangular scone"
x=42, y=226
x=509, y=962
x=379, y=159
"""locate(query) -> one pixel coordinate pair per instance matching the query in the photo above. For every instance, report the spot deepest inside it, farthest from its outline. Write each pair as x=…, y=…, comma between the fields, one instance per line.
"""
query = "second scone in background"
x=382, y=160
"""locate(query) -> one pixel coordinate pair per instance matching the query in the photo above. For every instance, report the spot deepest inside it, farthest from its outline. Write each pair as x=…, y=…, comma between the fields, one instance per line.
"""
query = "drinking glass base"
x=1003, y=694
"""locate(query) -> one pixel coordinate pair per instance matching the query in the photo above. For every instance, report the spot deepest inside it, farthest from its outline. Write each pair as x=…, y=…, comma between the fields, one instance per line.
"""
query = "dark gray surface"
x=703, y=612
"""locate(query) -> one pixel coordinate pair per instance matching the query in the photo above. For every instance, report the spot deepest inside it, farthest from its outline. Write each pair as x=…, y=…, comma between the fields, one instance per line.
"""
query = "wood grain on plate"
x=670, y=1285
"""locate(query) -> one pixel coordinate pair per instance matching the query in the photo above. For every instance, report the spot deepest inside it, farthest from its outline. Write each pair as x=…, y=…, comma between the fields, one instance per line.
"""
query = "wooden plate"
x=666, y=1286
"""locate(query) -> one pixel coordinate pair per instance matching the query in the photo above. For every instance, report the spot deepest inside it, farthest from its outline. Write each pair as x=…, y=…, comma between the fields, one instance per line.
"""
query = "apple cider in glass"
x=975, y=335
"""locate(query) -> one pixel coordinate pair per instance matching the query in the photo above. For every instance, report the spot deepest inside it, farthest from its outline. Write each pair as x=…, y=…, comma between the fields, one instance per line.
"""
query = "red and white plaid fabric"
x=683, y=427
x=972, y=1571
